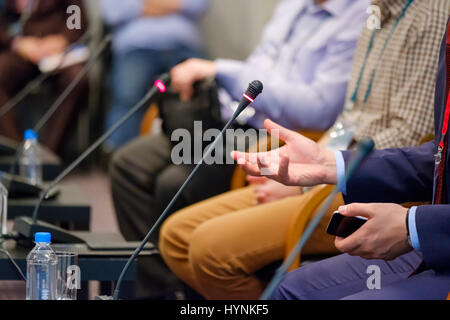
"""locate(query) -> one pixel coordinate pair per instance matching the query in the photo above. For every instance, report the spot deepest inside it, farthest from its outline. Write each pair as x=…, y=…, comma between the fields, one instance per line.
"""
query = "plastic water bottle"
x=30, y=160
x=3, y=208
x=41, y=269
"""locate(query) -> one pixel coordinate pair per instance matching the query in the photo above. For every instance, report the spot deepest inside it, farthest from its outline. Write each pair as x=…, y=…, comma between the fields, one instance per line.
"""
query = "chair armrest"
x=310, y=205
x=147, y=121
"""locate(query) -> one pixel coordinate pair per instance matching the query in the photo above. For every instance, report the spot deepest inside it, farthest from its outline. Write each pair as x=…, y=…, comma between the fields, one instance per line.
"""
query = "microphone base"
x=25, y=227
x=19, y=188
x=104, y=298
x=8, y=146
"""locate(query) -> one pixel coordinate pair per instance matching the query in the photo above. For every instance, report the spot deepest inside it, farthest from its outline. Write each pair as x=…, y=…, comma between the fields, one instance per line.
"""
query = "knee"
x=117, y=165
x=172, y=245
x=290, y=288
x=168, y=182
x=122, y=170
x=208, y=255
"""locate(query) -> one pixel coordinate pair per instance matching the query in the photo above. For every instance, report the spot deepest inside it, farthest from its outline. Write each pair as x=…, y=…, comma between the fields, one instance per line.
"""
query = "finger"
x=251, y=169
x=261, y=196
x=349, y=244
x=265, y=166
x=186, y=95
x=243, y=157
x=283, y=167
x=358, y=209
x=282, y=133
x=256, y=180
x=244, y=160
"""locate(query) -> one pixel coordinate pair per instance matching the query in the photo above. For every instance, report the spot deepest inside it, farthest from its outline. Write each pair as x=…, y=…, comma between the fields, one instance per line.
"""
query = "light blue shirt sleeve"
x=115, y=12
x=134, y=31
x=340, y=168
x=194, y=8
x=413, y=228
x=304, y=81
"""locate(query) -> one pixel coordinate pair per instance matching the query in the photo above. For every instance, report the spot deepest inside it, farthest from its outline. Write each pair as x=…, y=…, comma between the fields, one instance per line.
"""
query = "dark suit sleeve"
x=404, y=175
x=393, y=175
x=433, y=229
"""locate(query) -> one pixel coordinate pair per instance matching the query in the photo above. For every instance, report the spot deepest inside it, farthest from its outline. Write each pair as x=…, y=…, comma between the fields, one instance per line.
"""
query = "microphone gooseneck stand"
x=254, y=89
x=26, y=226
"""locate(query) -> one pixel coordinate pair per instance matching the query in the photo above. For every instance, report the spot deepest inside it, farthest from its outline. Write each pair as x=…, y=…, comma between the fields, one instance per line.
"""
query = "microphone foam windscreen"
x=254, y=89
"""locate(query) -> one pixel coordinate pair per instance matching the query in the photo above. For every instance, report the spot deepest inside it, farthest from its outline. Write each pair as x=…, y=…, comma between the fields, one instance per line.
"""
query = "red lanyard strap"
x=447, y=106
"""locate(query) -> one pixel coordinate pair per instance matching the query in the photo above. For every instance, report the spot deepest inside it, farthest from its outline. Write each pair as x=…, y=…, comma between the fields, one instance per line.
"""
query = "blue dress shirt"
x=134, y=31
x=304, y=60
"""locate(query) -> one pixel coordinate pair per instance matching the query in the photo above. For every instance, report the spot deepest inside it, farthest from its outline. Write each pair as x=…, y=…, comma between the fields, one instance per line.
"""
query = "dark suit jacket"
x=49, y=18
x=407, y=175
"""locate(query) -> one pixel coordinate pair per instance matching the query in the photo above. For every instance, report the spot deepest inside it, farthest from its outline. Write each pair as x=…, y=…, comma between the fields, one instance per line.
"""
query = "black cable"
x=4, y=251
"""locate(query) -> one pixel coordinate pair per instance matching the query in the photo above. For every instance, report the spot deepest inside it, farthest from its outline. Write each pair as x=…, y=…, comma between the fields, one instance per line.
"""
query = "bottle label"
x=43, y=282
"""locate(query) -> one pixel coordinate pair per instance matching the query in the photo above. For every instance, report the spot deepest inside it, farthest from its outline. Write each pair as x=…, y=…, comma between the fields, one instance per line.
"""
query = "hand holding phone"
x=342, y=226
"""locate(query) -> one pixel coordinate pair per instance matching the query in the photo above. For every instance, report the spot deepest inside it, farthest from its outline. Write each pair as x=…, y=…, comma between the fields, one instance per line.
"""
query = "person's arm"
x=116, y=12
x=191, y=8
x=393, y=175
x=296, y=104
x=433, y=230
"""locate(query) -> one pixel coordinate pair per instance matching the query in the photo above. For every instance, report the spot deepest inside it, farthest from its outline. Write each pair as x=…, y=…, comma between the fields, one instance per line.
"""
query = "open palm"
x=300, y=162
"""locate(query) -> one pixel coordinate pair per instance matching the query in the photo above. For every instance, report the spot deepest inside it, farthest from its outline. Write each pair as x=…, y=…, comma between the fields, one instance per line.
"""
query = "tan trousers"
x=217, y=245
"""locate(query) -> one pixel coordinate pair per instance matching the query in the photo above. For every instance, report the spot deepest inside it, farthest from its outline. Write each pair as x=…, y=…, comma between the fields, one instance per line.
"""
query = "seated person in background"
x=150, y=37
x=410, y=248
x=304, y=61
x=45, y=33
x=216, y=246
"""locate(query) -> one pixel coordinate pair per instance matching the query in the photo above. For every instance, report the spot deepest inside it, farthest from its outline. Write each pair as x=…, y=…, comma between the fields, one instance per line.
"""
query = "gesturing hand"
x=384, y=234
x=300, y=162
x=267, y=190
x=185, y=74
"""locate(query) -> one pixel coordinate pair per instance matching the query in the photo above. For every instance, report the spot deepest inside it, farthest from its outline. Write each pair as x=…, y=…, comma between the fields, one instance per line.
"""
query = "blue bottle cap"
x=31, y=135
x=42, y=237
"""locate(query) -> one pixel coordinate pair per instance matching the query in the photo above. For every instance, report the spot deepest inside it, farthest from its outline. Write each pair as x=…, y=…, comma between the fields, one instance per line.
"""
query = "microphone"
x=253, y=90
x=27, y=226
x=364, y=147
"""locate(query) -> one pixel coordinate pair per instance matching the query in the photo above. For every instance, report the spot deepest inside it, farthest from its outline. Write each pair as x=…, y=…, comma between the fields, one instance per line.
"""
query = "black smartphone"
x=342, y=226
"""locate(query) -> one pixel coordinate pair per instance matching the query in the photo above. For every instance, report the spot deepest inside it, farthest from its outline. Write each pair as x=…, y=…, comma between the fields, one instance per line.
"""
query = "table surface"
x=70, y=204
x=51, y=164
x=94, y=265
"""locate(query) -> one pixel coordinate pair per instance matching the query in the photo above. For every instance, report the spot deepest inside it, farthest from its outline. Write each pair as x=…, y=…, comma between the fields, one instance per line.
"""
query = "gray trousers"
x=144, y=180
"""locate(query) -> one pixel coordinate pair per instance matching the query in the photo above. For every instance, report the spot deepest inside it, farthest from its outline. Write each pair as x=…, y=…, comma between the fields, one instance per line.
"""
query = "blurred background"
x=228, y=29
